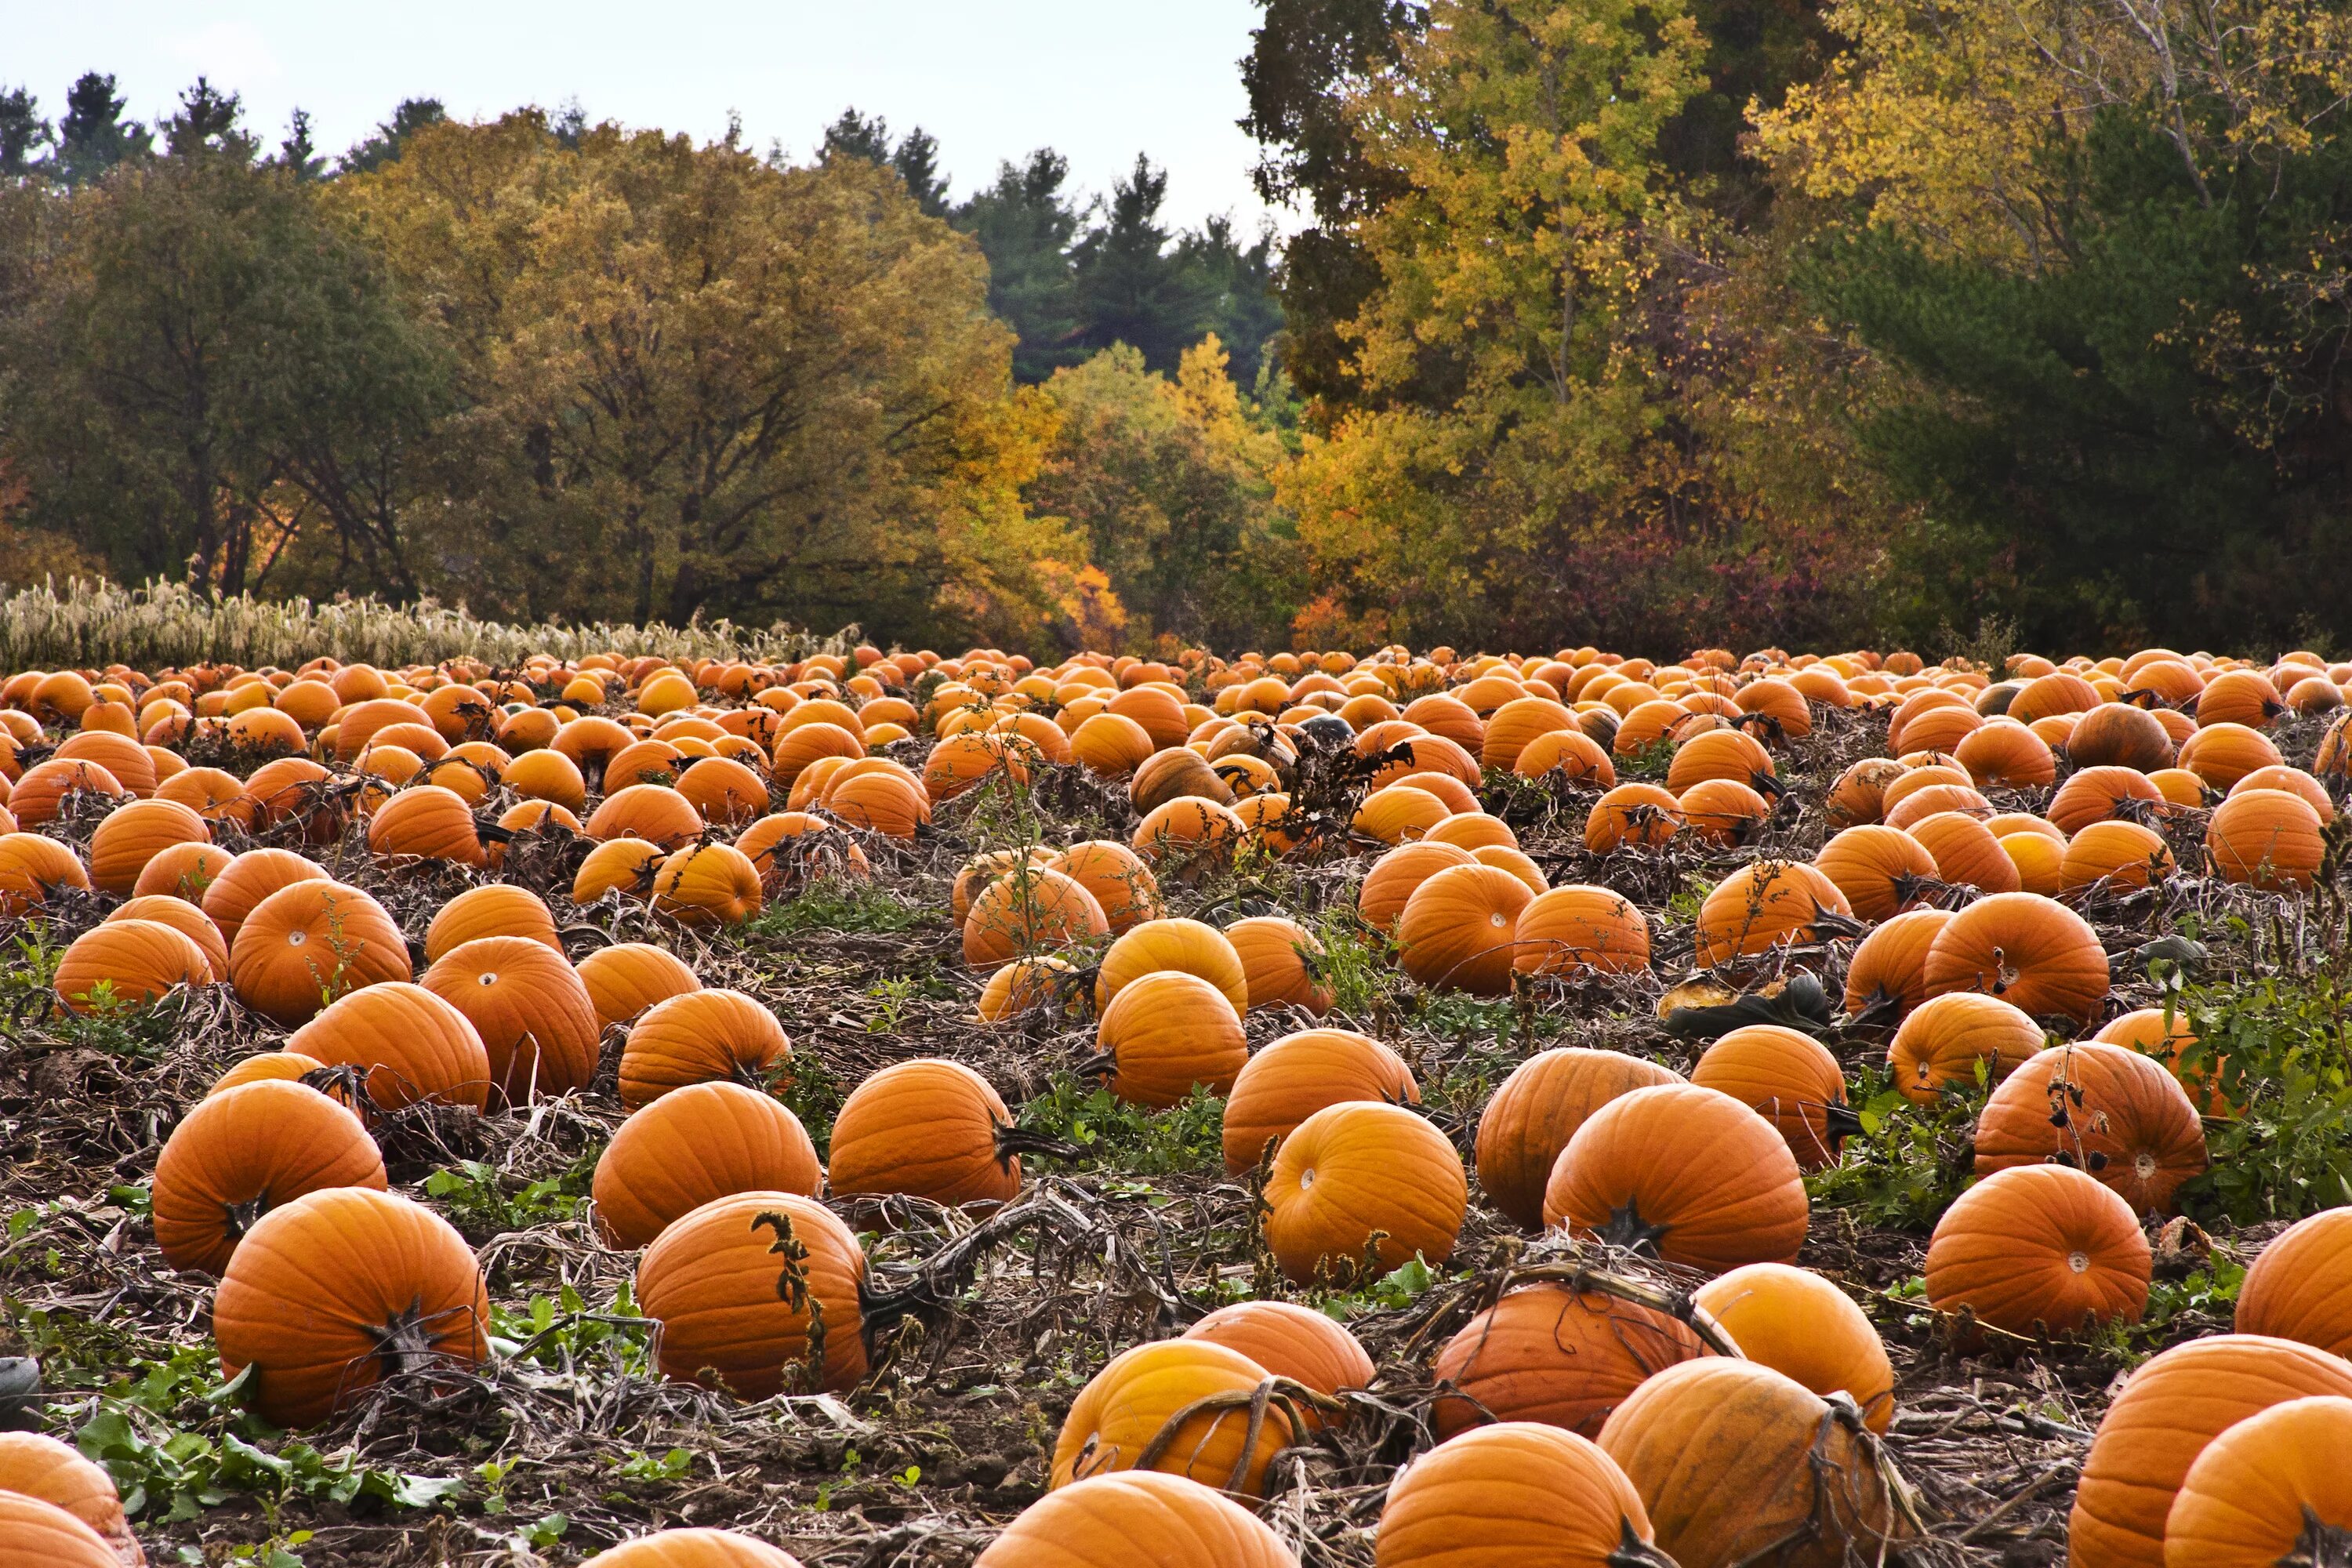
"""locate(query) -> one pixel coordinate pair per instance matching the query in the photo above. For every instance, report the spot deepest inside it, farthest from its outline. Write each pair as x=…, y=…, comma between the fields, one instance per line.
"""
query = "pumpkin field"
x=720, y=1103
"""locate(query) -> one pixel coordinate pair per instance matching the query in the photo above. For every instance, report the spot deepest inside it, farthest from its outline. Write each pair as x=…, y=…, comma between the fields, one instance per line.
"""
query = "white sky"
x=1099, y=79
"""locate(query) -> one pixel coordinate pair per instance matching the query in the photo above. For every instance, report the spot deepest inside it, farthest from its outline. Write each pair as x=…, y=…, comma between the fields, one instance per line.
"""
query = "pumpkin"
x=2101, y=1108
x=693, y=1549
x=2007, y=755
x=2270, y=837
x=237, y=1155
x=2173, y=1406
x=2038, y=1249
x=2299, y=1286
x=39, y=796
x=414, y=1046
x=2120, y=735
x=2097, y=795
x=38, y=1534
x=1943, y=1040
x=1360, y=1180
x=42, y=1468
x=723, y=790
x=1887, y=976
x=1763, y=905
x=134, y=834
x=1395, y=875
x=1166, y=1033
x=1578, y=927
x=1293, y=1078
x=757, y=1293
x=1458, y=929
x=698, y=1143
x=1473, y=831
x=1173, y=774
x=1859, y=794
x=1290, y=1340
x=183, y=871
x=1027, y=983
x=497, y=909
x=1879, y=870
x=270, y=1067
x=1186, y=946
x=1136, y=1519
x=1399, y=814
x=1789, y=1079
x=1966, y=853
x=708, y=884
x=1122, y=1419
x=531, y=1010
x=128, y=963
x=1933, y=800
x=2113, y=855
x=963, y=761
x=1511, y=1495
x=183, y=917
x=1117, y=877
x=425, y=822
x=309, y=942
x=238, y=889
x=1538, y=1108
x=1632, y=814
x=1109, y=745
x=1281, y=964
x=885, y=801
x=1801, y=1325
x=1688, y=1174
x=931, y=1129
x=1572, y=754
x=2219, y=754
x=628, y=865
x=328, y=1295
x=699, y=1036
x=1556, y=1354
x=32, y=867
x=1737, y=1463
x=2030, y=951
x=1027, y=908
x=2271, y=1489
x=655, y=812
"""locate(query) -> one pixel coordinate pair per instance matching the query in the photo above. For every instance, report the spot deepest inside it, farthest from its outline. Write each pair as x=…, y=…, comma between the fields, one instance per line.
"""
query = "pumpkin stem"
x=2320, y=1544
x=241, y=1216
x=1842, y=1122
x=406, y=1345
x=1632, y=1551
x=1012, y=1141
x=1626, y=1228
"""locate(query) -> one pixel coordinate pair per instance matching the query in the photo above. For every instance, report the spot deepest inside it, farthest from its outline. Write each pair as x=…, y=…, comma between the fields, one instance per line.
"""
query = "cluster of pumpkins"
x=1574, y=1421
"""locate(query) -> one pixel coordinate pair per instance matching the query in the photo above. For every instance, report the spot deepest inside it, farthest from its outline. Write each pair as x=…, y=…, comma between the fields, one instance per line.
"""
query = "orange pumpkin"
x=693, y=1146
x=252, y=877
x=2269, y=837
x=1290, y=1340
x=2300, y=1286
x=1358, y=1181
x=628, y=977
x=531, y=1010
x=132, y=834
x=708, y=884
x=693, y=1549
x=1887, y=976
x=1533, y=1114
x=700, y=1036
x=1281, y=964
x=1686, y=1173
x=1879, y=870
x=38, y=1534
x=128, y=963
x=1512, y=1494
x=309, y=942
x=413, y=1047
x=1802, y=1326
x=1458, y=930
x=1763, y=905
x=2100, y=1108
x=1120, y=1417
x=1027, y=908
x=1789, y=1079
x=2271, y=1489
x=1556, y=1354
x=1293, y=1078
x=2037, y=1249
x=757, y=1293
x=931, y=1129
x=496, y=909
x=1167, y=1033
x=2030, y=951
x=628, y=865
x=1117, y=877
x=425, y=822
x=1944, y=1039
x=238, y=1155
x=1186, y=946
x=1136, y=1519
x=1641, y=814
x=1578, y=927
x=44, y=1471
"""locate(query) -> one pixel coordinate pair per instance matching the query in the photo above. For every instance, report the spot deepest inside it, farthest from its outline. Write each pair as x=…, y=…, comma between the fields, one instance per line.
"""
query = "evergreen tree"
x=856, y=135
x=1244, y=311
x=570, y=125
x=207, y=123
x=1130, y=287
x=23, y=132
x=93, y=137
x=1025, y=226
x=298, y=154
x=917, y=159
x=411, y=115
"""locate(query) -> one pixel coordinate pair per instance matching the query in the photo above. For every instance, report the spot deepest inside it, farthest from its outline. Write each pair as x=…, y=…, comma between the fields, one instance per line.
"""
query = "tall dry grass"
x=90, y=623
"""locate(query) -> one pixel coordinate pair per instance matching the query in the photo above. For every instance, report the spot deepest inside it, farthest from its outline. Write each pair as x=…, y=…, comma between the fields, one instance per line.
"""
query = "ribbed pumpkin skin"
x=1509, y=1496
x=307, y=944
x=1117, y=877
x=708, y=885
x=1357, y=1168
x=132, y=834
x=1458, y=931
x=693, y=1549
x=2039, y=1245
x=2173, y=1406
x=2270, y=837
x=183, y=917
x=2129, y=1122
x=252, y=877
x=1552, y=1354
x=1732, y=1458
x=2249, y=1500
x=1941, y=1041
x=1868, y=862
x=626, y=864
x=128, y=963
x=254, y=1147
x=1031, y=908
x=628, y=977
x=531, y=1010
x=2118, y=854
x=183, y=871
x=2030, y=951
x=1276, y=955
x=428, y=822
x=696, y=1038
x=1534, y=1112
x=1393, y=877
x=274, y=1067
x=1575, y=927
x=1802, y=1326
x=2300, y=1286
x=413, y=1046
x=1186, y=946
x=38, y=1534
x=312, y=1291
x=499, y=909
x=1136, y=1519
x=1787, y=1078
x=1289, y=1341
x=1115, y=1417
x=1169, y=1032
x=2090, y=795
x=1706, y=1182
x=655, y=812
x=31, y=865
x=927, y=1128
x=712, y=1281
x=1763, y=905
x=704, y=1142
x=1966, y=853
x=2118, y=734
x=38, y=1467
x=1291, y=1078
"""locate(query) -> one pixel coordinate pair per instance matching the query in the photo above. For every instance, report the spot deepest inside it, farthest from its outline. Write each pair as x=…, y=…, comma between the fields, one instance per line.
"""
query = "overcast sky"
x=1100, y=79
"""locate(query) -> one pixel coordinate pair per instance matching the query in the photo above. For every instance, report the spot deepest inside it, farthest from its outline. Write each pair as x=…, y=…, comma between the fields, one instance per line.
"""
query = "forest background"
x=1641, y=324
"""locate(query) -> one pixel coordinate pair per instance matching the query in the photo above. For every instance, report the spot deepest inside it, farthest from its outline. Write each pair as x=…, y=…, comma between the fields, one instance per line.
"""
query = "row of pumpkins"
x=1654, y=1152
